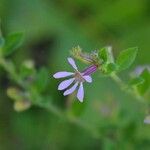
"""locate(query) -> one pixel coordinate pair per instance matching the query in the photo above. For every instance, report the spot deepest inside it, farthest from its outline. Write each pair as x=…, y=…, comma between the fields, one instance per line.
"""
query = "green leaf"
x=12, y=42
x=108, y=68
x=136, y=81
x=126, y=58
x=106, y=55
x=111, y=67
x=103, y=54
x=145, y=86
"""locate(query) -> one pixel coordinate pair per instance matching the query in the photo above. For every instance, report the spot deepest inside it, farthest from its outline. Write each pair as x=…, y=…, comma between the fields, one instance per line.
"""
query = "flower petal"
x=64, y=84
x=80, y=94
x=147, y=120
x=88, y=78
x=71, y=90
x=62, y=74
x=72, y=63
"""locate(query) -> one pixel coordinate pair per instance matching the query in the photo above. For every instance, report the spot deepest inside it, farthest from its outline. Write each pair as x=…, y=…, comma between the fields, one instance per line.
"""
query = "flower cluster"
x=76, y=79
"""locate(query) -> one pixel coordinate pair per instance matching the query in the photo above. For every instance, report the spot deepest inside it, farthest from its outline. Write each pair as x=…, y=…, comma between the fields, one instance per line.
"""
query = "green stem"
x=125, y=88
x=118, y=81
x=11, y=71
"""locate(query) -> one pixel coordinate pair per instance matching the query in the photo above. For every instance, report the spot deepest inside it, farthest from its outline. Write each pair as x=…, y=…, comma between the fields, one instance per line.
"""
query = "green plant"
x=30, y=84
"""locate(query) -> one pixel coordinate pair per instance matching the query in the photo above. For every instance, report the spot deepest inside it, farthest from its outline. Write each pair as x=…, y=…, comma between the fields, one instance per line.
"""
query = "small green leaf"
x=111, y=67
x=136, y=81
x=145, y=86
x=106, y=55
x=103, y=54
x=108, y=68
x=126, y=58
x=12, y=42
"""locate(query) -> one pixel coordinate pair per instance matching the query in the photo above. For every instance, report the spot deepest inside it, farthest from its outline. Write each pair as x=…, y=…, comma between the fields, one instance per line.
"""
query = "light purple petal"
x=88, y=78
x=147, y=120
x=91, y=69
x=62, y=74
x=138, y=70
x=64, y=84
x=80, y=94
x=71, y=90
x=72, y=63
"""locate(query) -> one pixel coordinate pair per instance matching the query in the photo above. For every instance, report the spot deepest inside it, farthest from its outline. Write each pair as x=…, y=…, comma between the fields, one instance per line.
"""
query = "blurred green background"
x=51, y=28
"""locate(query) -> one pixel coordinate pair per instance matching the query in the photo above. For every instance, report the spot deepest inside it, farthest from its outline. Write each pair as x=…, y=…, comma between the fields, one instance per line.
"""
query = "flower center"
x=78, y=77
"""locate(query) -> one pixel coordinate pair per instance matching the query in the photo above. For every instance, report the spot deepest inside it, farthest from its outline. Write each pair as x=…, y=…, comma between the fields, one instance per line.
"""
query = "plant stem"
x=11, y=71
x=118, y=80
x=125, y=88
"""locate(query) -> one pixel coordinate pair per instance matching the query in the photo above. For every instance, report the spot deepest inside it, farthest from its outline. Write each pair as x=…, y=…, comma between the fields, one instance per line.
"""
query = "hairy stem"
x=125, y=88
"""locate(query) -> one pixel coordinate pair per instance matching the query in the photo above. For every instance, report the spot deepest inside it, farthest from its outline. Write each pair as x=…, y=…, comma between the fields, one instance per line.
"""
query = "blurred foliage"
x=109, y=118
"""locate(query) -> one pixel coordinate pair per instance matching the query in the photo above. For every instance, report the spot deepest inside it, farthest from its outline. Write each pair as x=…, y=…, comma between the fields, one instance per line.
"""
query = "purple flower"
x=76, y=79
x=147, y=119
x=138, y=70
